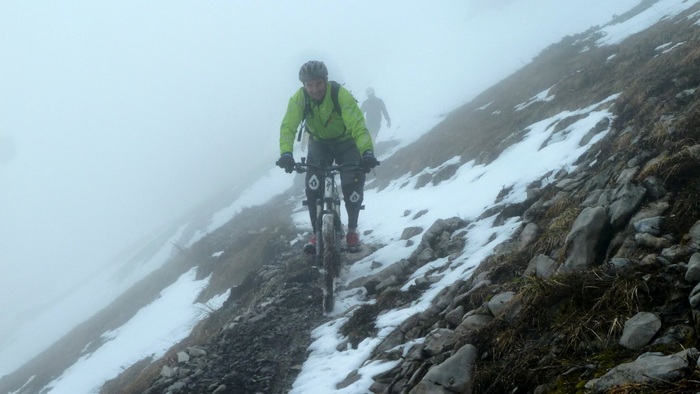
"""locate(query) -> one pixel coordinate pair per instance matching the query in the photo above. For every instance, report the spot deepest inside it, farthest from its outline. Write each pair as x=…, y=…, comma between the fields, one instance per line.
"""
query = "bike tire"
x=331, y=260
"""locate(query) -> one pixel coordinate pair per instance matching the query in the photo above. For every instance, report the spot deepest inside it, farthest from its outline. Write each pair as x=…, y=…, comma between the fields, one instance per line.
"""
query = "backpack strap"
x=335, y=88
x=307, y=112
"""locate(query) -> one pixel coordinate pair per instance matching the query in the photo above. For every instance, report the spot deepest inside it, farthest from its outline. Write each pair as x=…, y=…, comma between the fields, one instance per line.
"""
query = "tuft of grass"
x=554, y=235
x=680, y=164
x=361, y=324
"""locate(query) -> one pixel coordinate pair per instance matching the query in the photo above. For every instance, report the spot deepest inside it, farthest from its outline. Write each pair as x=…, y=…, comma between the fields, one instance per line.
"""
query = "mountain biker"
x=374, y=108
x=342, y=138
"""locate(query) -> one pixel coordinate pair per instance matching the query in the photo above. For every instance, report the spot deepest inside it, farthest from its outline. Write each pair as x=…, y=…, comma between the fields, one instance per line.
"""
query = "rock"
x=410, y=232
x=587, y=240
x=473, y=322
x=674, y=335
x=647, y=368
x=626, y=200
x=219, y=390
x=176, y=387
x=183, y=357
x=438, y=341
x=454, y=317
x=639, y=330
x=167, y=372
x=499, y=302
x=651, y=225
x=655, y=187
x=694, y=297
x=542, y=266
x=390, y=281
x=694, y=235
x=455, y=373
x=677, y=253
x=650, y=241
x=692, y=275
x=196, y=352
x=529, y=234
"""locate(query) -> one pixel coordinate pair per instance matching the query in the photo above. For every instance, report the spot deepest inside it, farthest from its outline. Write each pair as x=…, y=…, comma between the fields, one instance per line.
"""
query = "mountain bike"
x=329, y=227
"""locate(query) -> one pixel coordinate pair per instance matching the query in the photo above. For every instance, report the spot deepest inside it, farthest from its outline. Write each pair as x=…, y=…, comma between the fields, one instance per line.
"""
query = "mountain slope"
x=654, y=111
x=563, y=328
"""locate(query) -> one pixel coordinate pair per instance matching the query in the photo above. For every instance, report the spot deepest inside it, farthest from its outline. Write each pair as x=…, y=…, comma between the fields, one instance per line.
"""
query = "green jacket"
x=324, y=123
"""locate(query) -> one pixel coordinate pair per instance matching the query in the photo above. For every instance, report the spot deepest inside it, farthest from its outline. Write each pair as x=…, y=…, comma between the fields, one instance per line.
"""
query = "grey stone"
x=694, y=234
x=647, y=368
x=627, y=174
x=473, y=322
x=677, y=253
x=529, y=234
x=167, y=372
x=499, y=302
x=424, y=387
x=651, y=225
x=639, y=330
x=410, y=232
x=454, y=317
x=655, y=187
x=455, y=373
x=694, y=297
x=545, y=266
x=219, y=390
x=182, y=357
x=592, y=198
x=390, y=281
x=196, y=352
x=438, y=341
x=626, y=200
x=650, y=241
x=693, y=273
x=587, y=240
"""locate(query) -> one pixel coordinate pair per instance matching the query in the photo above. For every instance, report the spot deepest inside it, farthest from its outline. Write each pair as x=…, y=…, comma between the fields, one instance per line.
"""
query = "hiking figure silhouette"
x=337, y=132
x=374, y=108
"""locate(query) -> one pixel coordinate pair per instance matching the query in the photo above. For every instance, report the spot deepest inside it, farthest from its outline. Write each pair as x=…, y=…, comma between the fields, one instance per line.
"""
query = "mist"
x=117, y=118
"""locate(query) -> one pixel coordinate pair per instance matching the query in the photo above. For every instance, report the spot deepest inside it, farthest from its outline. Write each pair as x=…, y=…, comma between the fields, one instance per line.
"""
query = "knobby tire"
x=331, y=260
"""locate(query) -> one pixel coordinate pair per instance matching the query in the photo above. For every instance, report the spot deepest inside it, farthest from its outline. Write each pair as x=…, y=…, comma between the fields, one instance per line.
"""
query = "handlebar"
x=303, y=166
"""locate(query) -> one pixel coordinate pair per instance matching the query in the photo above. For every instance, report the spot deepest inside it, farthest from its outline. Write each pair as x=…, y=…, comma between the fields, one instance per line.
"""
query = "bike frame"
x=329, y=227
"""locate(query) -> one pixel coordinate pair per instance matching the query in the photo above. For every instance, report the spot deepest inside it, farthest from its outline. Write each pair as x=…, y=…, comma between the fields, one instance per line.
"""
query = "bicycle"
x=329, y=226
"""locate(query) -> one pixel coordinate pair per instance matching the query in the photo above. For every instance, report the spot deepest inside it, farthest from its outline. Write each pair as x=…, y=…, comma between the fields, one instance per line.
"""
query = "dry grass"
x=564, y=318
x=554, y=236
x=686, y=161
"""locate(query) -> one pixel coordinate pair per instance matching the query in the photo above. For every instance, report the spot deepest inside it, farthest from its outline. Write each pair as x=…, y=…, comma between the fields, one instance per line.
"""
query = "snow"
x=541, y=96
x=151, y=332
x=154, y=329
x=663, y=9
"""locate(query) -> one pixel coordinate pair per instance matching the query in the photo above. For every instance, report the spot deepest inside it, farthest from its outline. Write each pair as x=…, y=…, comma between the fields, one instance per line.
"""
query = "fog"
x=119, y=117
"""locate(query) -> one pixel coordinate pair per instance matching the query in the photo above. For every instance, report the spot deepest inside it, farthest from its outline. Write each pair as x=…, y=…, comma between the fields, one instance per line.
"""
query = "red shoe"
x=310, y=247
x=353, y=241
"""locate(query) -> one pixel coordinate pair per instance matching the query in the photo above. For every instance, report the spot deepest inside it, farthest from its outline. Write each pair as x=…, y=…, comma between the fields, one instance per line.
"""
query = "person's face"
x=316, y=88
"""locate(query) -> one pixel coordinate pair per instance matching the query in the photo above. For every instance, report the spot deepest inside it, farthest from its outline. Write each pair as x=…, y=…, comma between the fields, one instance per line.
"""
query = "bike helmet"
x=312, y=70
x=370, y=91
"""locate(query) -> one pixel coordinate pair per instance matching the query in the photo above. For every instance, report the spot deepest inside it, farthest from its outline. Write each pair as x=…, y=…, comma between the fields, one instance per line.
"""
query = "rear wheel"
x=331, y=260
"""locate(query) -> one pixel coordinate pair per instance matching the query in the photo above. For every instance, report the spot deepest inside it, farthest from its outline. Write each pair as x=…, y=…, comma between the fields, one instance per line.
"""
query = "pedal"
x=310, y=249
x=354, y=249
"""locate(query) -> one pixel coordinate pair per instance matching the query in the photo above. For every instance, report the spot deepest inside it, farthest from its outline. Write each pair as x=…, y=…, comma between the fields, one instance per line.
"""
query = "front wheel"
x=331, y=260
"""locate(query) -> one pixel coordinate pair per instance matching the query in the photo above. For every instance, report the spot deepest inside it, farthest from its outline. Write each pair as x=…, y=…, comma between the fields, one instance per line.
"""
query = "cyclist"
x=340, y=137
x=373, y=109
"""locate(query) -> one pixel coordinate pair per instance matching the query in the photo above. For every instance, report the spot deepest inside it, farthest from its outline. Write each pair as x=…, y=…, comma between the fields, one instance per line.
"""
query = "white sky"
x=116, y=117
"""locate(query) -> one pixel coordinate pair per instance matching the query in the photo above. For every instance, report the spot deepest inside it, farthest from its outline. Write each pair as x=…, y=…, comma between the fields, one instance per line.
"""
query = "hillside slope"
x=598, y=251
x=567, y=297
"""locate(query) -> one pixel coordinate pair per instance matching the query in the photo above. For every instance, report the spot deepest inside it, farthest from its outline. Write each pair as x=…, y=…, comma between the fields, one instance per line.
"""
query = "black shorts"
x=338, y=152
